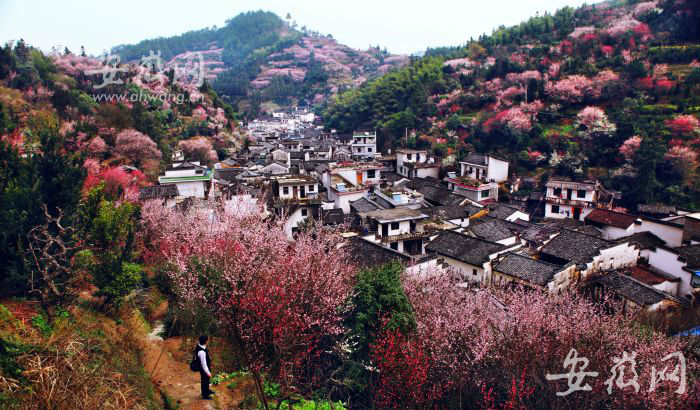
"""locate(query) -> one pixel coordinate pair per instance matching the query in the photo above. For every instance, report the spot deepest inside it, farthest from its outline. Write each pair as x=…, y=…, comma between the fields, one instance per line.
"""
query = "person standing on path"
x=202, y=354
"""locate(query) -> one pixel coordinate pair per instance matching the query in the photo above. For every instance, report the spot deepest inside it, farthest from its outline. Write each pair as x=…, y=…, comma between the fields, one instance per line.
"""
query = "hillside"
x=259, y=57
x=607, y=90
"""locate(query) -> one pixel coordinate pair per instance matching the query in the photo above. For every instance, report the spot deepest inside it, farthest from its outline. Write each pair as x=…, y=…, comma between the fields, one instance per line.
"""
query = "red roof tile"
x=616, y=219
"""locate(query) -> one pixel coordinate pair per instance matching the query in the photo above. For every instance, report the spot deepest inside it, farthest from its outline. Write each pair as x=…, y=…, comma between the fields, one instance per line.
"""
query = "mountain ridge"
x=257, y=56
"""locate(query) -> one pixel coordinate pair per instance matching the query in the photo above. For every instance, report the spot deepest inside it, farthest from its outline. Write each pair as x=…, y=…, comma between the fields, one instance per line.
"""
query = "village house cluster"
x=474, y=218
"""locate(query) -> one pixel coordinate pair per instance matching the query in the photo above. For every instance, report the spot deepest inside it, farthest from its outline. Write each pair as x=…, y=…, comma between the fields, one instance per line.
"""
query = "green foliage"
x=313, y=405
x=49, y=177
x=224, y=377
x=378, y=296
x=121, y=283
x=392, y=102
x=108, y=230
x=41, y=322
x=271, y=389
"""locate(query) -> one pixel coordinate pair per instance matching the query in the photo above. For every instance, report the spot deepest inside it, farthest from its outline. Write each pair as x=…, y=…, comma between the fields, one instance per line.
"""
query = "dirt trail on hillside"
x=172, y=375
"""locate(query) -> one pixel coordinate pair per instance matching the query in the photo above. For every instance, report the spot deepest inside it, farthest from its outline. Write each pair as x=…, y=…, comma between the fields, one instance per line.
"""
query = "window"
x=484, y=194
x=557, y=192
x=311, y=188
x=555, y=209
x=369, y=149
x=394, y=225
x=581, y=193
x=285, y=190
x=394, y=246
x=304, y=212
x=371, y=173
x=474, y=272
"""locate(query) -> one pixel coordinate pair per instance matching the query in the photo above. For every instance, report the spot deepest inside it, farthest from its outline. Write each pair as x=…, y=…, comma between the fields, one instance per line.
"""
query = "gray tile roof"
x=644, y=240
x=366, y=254
x=474, y=158
x=158, y=191
x=575, y=246
x=502, y=211
x=364, y=205
x=435, y=193
x=528, y=269
x=691, y=254
x=491, y=229
x=473, y=251
x=539, y=233
x=632, y=289
x=446, y=212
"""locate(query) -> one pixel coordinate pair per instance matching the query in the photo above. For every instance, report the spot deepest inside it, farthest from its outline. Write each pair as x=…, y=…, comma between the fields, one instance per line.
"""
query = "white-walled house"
x=416, y=164
x=574, y=200
x=346, y=183
x=590, y=253
x=682, y=263
x=396, y=228
x=487, y=168
x=364, y=146
x=295, y=197
x=192, y=180
x=474, y=189
x=533, y=273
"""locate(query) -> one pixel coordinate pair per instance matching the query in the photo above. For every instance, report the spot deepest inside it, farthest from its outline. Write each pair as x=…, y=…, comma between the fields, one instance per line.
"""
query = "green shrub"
x=129, y=279
x=40, y=322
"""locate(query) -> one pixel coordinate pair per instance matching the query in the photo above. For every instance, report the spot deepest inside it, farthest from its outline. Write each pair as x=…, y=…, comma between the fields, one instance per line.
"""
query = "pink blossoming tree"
x=592, y=122
x=199, y=149
x=136, y=147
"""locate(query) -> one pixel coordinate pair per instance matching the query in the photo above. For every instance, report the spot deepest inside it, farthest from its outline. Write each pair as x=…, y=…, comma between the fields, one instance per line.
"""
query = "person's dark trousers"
x=205, y=385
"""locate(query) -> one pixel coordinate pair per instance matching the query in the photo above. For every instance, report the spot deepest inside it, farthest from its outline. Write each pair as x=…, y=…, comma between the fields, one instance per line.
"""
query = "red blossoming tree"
x=683, y=125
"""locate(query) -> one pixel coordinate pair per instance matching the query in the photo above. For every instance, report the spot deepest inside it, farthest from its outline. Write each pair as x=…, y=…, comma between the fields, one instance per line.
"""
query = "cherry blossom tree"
x=136, y=147
x=198, y=148
x=518, y=121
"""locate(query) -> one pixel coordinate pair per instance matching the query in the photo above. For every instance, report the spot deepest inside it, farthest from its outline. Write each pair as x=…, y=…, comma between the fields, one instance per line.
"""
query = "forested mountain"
x=608, y=90
x=257, y=57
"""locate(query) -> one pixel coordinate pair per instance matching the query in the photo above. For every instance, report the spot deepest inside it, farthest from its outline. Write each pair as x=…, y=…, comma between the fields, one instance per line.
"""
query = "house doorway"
x=577, y=213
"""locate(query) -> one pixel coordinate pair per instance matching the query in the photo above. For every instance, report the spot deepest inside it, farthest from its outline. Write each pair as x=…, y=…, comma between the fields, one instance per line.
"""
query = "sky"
x=403, y=27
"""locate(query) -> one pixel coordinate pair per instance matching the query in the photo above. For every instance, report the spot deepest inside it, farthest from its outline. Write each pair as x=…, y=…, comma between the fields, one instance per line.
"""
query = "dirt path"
x=173, y=376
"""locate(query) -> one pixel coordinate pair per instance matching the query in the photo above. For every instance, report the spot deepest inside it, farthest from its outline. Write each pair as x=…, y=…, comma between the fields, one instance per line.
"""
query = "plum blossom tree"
x=468, y=341
x=97, y=147
x=572, y=89
x=279, y=302
x=630, y=147
x=136, y=147
x=198, y=148
x=592, y=122
x=518, y=121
